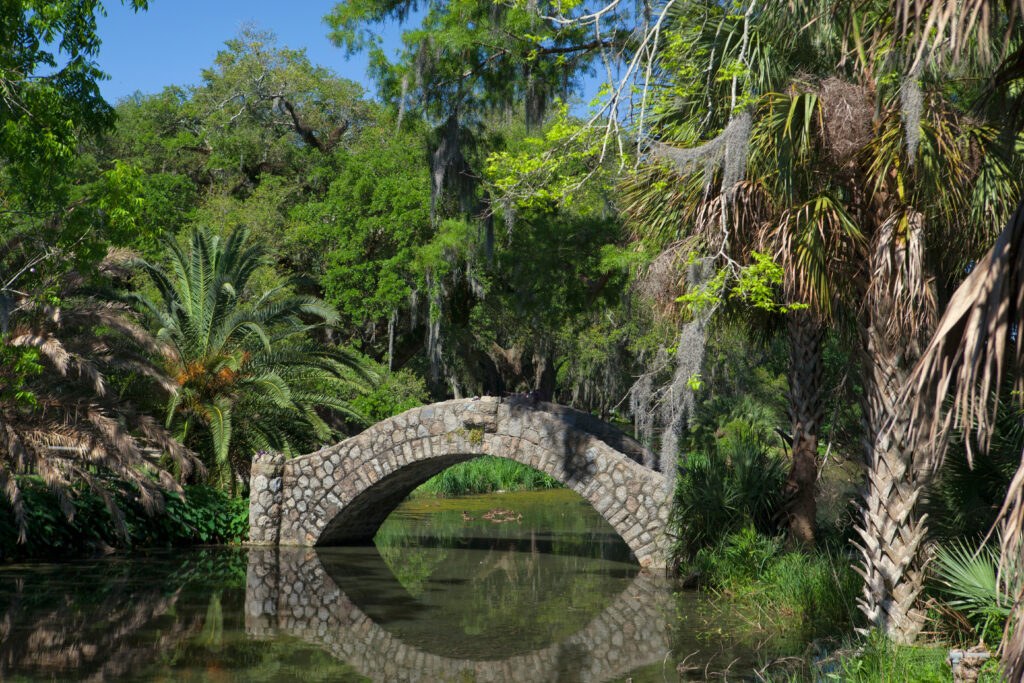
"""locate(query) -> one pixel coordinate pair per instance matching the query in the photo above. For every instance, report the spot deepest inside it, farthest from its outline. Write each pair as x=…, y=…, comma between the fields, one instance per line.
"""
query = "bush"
x=205, y=515
x=394, y=393
x=738, y=483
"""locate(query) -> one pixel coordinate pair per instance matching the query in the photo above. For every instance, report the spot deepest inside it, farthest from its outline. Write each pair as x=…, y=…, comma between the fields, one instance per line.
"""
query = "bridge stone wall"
x=342, y=494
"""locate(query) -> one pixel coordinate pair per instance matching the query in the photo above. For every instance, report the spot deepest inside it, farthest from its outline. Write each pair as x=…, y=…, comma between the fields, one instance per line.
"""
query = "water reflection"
x=87, y=617
x=345, y=602
x=439, y=598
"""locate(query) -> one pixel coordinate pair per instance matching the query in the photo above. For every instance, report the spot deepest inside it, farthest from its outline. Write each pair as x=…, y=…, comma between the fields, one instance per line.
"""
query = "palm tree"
x=249, y=376
x=793, y=214
x=60, y=418
x=978, y=341
x=865, y=217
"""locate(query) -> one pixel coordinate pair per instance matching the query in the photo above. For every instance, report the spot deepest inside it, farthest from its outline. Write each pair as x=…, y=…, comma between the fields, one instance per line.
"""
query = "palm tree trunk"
x=805, y=410
x=899, y=316
x=892, y=532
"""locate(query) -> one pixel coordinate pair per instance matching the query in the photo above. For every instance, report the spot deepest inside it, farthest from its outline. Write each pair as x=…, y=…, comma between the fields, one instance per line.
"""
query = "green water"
x=550, y=596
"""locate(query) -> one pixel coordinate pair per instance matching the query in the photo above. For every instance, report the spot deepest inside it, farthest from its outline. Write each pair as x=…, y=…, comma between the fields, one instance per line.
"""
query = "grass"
x=800, y=596
x=875, y=659
x=485, y=474
x=778, y=590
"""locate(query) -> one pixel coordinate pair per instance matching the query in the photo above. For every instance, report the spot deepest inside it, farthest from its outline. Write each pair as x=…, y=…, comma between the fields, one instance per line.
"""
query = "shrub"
x=738, y=483
x=964, y=500
x=394, y=393
x=970, y=581
x=205, y=515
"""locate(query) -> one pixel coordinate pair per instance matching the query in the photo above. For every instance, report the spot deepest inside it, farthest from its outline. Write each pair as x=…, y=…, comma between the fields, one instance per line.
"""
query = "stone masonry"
x=342, y=494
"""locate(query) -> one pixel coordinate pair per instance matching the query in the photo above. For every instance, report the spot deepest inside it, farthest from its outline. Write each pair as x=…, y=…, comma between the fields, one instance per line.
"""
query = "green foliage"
x=363, y=236
x=464, y=56
x=51, y=93
x=744, y=380
x=970, y=579
x=737, y=558
x=965, y=498
x=17, y=364
x=393, y=393
x=230, y=152
x=812, y=591
x=204, y=515
x=486, y=474
x=558, y=169
x=238, y=355
x=737, y=483
x=755, y=285
x=63, y=214
x=878, y=660
x=604, y=353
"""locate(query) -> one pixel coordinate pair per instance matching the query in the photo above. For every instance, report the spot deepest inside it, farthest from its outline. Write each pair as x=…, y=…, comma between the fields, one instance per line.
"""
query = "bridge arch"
x=342, y=494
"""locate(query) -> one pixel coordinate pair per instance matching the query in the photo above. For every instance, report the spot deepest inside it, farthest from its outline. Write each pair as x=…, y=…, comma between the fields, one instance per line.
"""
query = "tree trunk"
x=891, y=530
x=805, y=410
x=899, y=310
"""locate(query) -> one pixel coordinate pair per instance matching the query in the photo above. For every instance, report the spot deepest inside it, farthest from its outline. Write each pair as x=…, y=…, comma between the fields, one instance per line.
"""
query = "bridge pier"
x=265, y=497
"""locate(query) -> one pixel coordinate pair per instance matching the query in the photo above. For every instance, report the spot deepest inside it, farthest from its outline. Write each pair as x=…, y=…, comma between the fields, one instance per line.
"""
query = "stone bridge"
x=342, y=494
x=288, y=591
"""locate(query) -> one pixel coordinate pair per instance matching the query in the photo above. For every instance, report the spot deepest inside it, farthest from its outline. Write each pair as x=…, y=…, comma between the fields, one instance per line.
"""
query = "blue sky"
x=175, y=39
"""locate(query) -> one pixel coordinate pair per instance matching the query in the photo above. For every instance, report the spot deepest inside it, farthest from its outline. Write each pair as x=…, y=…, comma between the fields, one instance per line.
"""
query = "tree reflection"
x=92, y=625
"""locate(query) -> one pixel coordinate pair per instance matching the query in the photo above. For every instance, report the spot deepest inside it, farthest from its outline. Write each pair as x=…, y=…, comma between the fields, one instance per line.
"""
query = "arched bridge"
x=341, y=494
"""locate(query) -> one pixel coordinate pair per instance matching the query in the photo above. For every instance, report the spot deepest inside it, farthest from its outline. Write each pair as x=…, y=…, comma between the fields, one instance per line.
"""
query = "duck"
x=465, y=517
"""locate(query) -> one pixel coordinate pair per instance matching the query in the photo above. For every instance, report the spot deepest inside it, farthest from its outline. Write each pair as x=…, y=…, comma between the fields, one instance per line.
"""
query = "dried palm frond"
x=899, y=289
x=663, y=279
x=817, y=244
x=65, y=425
x=979, y=342
x=954, y=25
x=986, y=31
x=968, y=353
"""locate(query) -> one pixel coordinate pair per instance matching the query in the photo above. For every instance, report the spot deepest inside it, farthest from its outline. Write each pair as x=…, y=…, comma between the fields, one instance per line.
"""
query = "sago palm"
x=249, y=375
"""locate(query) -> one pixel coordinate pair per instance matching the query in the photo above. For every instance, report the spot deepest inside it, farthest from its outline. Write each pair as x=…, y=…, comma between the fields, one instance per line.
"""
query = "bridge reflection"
x=351, y=605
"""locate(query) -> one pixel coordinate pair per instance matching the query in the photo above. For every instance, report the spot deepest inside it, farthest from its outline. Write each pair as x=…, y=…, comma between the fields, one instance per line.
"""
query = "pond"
x=450, y=591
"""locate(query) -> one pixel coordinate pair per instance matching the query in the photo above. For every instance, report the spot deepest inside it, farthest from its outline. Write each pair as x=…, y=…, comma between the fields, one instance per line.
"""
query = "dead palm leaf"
x=977, y=343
